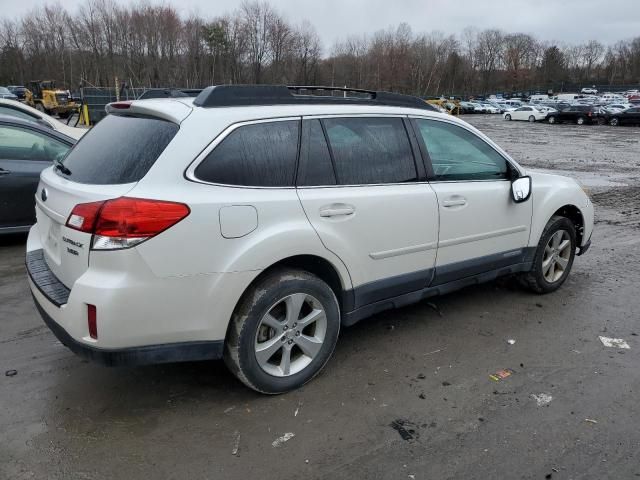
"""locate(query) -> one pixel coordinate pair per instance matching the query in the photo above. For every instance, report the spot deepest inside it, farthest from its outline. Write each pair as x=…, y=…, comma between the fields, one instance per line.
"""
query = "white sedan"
x=530, y=114
x=13, y=108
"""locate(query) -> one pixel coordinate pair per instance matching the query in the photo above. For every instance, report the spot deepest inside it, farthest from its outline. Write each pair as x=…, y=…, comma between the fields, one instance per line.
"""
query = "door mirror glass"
x=521, y=189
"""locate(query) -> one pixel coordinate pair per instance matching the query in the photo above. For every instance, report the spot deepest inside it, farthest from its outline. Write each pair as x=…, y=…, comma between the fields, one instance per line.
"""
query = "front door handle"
x=455, y=201
x=337, y=210
x=4, y=171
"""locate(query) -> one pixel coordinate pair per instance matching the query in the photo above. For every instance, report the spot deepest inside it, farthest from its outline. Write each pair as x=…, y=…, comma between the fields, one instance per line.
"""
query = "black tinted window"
x=118, y=150
x=370, y=150
x=259, y=155
x=315, y=162
x=458, y=154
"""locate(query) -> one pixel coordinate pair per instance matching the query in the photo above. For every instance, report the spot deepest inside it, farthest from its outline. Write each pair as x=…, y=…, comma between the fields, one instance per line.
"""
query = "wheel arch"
x=574, y=214
x=315, y=264
x=568, y=210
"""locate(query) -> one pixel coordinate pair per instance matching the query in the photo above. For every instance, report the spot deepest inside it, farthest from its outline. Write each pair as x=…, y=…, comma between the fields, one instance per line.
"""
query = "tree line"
x=149, y=45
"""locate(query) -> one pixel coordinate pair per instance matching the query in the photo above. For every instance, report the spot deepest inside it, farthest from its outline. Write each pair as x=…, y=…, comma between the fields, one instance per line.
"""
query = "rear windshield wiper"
x=60, y=166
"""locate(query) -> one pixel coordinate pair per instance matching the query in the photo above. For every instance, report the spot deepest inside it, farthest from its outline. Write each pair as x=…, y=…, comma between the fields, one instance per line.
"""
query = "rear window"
x=118, y=150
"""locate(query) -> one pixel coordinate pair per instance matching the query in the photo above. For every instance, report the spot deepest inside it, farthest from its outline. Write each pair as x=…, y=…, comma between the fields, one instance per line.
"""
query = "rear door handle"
x=454, y=202
x=4, y=171
x=337, y=210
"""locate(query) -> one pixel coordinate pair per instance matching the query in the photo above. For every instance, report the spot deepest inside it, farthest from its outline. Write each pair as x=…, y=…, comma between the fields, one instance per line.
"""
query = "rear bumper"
x=146, y=355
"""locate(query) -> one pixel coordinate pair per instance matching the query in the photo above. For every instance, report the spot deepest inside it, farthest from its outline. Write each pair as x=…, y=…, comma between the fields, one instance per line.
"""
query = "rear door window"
x=370, y=150
x=25, y=144
x=256, y=155
x=119, y=149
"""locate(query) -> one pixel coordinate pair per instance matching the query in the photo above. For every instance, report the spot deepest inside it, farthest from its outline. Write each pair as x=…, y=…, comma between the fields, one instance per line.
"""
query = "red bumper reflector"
x=92, y=321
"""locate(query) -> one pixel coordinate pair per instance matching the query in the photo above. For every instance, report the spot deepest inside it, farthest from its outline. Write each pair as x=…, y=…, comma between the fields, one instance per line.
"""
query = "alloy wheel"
x=557, y=255
x=290, y=335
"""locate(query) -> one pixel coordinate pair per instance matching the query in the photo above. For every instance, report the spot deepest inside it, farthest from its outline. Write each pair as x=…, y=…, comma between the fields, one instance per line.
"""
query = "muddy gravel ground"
x=408, y=393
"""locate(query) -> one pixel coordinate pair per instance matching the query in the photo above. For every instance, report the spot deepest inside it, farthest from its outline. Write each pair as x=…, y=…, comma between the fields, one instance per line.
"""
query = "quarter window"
x=458, y=154
x=257, y=155
x=370, y=150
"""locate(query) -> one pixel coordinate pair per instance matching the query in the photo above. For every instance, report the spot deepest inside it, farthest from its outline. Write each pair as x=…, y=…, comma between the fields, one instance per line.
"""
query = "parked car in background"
x=538, y=98
x=617, y=107
x=580, y=114
x=6, y=93
x=19, y=91
x=545, y=109
x=26, y=148
x=489, y=107
x=478, y=107
x=467, y=107
x=529, y=114
x=612, y=98
x=589, y=91
x=630, y=116
x=17, y=109
x=266, y=277
x=566, y=97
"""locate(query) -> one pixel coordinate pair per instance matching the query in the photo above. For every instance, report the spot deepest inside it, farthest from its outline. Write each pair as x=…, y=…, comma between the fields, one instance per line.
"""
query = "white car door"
x=363, y=190
x=481, y=228
x=521, y=113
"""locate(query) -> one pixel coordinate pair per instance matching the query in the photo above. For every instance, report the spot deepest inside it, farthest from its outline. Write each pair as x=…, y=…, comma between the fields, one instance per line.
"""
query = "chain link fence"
x=96, y=98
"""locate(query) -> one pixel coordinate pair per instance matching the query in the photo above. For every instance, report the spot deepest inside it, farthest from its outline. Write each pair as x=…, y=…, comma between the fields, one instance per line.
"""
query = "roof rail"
x=254, y=95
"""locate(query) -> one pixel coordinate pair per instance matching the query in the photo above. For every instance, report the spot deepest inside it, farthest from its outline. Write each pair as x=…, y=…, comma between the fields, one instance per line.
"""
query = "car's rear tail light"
x=92, y=321
x=83, y=217
x=124, y=222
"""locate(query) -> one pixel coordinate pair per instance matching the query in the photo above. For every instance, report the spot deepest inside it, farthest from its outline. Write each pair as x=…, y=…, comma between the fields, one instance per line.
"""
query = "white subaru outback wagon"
x=252, y=222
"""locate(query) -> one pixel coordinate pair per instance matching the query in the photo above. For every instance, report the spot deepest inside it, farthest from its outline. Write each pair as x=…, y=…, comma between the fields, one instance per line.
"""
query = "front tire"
x=507, y=117
x=554, y=256
x=283, y=331
x=532, y=119
x=614, y=122
x=552, y=120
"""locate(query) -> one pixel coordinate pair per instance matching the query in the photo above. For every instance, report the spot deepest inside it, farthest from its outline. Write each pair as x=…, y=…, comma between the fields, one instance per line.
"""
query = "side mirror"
x=521, y=189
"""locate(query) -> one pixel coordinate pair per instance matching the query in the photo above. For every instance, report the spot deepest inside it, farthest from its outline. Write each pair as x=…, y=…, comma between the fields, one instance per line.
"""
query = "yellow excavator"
x=451, y=106
x=43, y=95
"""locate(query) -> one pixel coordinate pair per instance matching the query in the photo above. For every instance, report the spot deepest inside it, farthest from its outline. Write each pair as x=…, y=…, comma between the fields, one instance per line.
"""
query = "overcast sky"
x=553, y=20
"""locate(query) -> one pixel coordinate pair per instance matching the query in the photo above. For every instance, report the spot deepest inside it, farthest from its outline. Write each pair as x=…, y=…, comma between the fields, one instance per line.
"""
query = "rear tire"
x=580, y=120
x=554, y=257
x=283, y=331
x=507, y=117
x=614, y=122
x=532, y=119
x=552, y=120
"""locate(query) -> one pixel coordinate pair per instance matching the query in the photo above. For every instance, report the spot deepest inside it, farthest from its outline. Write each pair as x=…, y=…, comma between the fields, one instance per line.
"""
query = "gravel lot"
x=407, y=394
